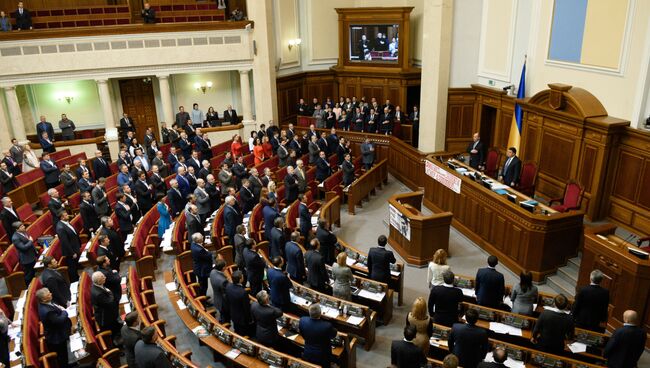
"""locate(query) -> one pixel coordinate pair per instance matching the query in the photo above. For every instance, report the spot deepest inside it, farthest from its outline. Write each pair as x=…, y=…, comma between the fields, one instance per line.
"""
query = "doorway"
x=139, y=102
x=488, y=124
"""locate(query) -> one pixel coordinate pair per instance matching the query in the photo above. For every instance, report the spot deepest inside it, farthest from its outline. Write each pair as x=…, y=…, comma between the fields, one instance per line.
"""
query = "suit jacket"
x=8, y=182
x=46, y=127
x=108, y=253
x=26, y=252
x=159, y=186
x=162, y=167
x=127, y=127
x=214, y=195
x=51, y=172
x=239, y=303
x=468, y=343
x=295, y=262
x=625, y=347
x=317, y=277
x=269, y=214
x=443, y=304
x=291, y=189
x=17, y=153
x=265, y=317
x=130, y=337
x=172, y=159
x=231, y=218
x=56, y=324
x=405, y=354
x=328, y=243
x=323, y=169
x=55, y=206
x=8, y=219
x=176, y=201
x=367, y=156
x=195, y=163
x=276, y=247
x=219, y=281
x=101, y=168
x=100, y=199
x=379, y=261
x=182, y=118
x=490, y=287
x=305, y=220
x=590, y=307
x=280, y=285
x=47, y=145
x=150, y=356
x=255, y=266
x=144, y=195
x=193, y=225
x=116, y=245
x=348, y=172
x=124, y=218
x=511, y=172
x=88, y=216
x=85, y=185
x=317, y=334
x=230, y=117
x=553, y=328
x=104, y=305
x=58, y=286
x=283, y=155
x=70, y=243
x=201, y=260
x=202, y=201
x=256, y=186
x=247, y=199
x=476, y=159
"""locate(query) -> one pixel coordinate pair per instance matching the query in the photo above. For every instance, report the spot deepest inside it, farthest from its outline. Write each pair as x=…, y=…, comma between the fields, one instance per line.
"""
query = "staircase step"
x=569, y=274
x=560, y=285
x=574, y=263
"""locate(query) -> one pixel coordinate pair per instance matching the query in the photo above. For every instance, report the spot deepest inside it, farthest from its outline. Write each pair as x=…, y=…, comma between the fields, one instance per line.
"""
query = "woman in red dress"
x=258, y=151
x=236, y=146
x=268, y=147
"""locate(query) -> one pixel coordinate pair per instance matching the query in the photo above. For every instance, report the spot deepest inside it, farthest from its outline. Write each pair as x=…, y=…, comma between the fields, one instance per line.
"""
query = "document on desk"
x=124, y=299
x=180, y=304
x=171, y=286
x=349, y=261
x=76, y=343
x=468, y=292
x=373, y=296
x=330, y=312
x=127, y=308
x=394, y=273
x=577, y=347
x=72, y=311
x=354, y=320
x=299, y=300
x=233, y=354
x=505, y=329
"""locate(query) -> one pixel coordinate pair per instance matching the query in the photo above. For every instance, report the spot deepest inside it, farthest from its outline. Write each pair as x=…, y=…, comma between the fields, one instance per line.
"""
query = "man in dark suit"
x=55, y=205
x=182, y=116
x=323, y=169
x=305, y=216
x=23, y=18
x=553, y=327
x=70, y=245
x=7, y=178
x=105, y=307
x=115, y=244
x=147, y=353
x=348, y=170
x=239, y=304
x=444, y=301
x=105, y=250
x=279, y=284
x=247, y=196
x=69, y=181
x=405, y=354
x=124, y=217
x=219, y=281
x=476, y=152
x=379, y=261
x=317, y=277
x=56, y=325
x=269, y=213
x=230, y=116
x=130, y=336
x=499, y=355
x=202, y=262
x=157, y=182
x=44, y=126
x=328, y=242
x=50, y=170
x=373, y=121
x=159, y=161
x=264, y=316
x=47, y=143
x=27, y=253
x=511, y=168
x=295, y=259
x=52, y=279
x=173, y=157
x=144, y=193
x=101, y=168
x=148, y=14
x=277, y=239
x=591, y=304
x=85, y=183
x=290, y=186
x=255, y=266
x=8, y=216
x=127, y=124
x=176, y=200
x=468, y=342
x=317, y=334
x=626, y=344
x=490, y=285
x=231, y=218
x=100, y=199
x=367, y=154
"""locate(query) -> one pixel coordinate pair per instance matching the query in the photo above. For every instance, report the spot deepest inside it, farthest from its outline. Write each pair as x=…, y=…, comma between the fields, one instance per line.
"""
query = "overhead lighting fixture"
x=203, y=87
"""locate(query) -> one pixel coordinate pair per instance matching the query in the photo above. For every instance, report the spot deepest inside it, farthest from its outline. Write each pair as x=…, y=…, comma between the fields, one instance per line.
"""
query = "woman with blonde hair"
x=419, y=317
x=342, y=276
x=30, y=161
x=436, y=268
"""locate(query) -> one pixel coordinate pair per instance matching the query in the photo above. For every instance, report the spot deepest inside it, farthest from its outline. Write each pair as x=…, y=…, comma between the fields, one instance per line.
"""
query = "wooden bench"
x=108, y=15
x=365, y=185
x=186, y=11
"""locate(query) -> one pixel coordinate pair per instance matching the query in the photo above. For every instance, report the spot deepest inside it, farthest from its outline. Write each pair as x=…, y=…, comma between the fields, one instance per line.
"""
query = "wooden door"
x=138, y=101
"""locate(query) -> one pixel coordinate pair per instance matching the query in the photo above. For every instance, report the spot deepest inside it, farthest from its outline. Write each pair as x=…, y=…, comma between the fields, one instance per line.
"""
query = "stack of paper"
x=180, y=304
x=373, y=296
x=468, y=292
x=577, y=347
x=124, y=299
x=233, y=354
x=171, y=286
x=505, y=329
x=76, y=343
x=353, y=320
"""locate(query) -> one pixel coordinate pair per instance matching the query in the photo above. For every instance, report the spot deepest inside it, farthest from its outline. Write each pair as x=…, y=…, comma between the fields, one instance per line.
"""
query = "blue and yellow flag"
x=518, y=116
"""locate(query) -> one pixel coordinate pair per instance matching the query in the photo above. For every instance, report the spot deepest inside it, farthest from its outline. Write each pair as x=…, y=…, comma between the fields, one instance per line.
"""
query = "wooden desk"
x=626, y=276
x=363, y=186
x=522, y=240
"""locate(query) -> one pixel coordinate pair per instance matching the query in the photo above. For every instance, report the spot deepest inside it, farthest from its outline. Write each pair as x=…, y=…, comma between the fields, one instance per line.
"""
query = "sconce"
x=294, y=42
x=65, y=96
x=203, y=87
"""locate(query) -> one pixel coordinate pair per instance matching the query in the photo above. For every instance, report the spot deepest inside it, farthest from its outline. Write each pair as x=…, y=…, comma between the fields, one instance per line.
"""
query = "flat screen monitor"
x=376, y=43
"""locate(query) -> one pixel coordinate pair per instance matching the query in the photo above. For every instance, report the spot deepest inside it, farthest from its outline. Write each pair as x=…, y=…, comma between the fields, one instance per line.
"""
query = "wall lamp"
x=294, y=42
x=65, y=96
x=203, y=87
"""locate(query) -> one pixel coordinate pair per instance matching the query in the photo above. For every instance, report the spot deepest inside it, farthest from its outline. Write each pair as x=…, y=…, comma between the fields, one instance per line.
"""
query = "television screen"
x=374, y=43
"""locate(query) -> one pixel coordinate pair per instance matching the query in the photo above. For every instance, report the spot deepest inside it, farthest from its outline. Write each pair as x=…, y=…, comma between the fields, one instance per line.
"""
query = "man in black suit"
x=239, y=304
x=317, y=334
x=317, y=277
x=148, y=14
x=85, y=183
x=182, y=116
x=52, y=279
x=591, y=304
x=176, y=200
x=105, y=307
x=328, y=242
x=88, y=214
x=626, y=344
x=159, y=161
x=115, y=244
x=553, y=327
x=130, y=336
x=499, y=355
x=468, y=342
x=279, y=284
x=230, y=116
x=231, y=218
x=23, y=19
x=489, y=285
x=255, y=266
x=50, y=170
x=511, y=168
x=405, y=354
x=55, y=205
x=379, y=261
x=323, y=169
x=305, y=216
x=157, y=182
x=264, y=316
x=295, y=259
x=202, y=262
x=247, y=196
x=27, y=253
x=219, y=281
x=70, y=245
x=127, y=124
x=144, y=193
x=476, y=152
x=7, y=178
x=8, y=216
x=104, y=250
x=290, y=186
x=444, y=301
x=276, y=238
x=147, y=353
x=56, y=325
x=124, y=216
x=348, y=170
x=69, y=181
x=101, y=168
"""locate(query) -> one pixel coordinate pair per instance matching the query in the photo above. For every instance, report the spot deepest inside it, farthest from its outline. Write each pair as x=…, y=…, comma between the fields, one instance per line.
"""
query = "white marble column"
x=5, y=139
x=266, y=105
x=166, y=99
x=245, y=85
x=436, y=58
x=15, y=115
x=109, y=119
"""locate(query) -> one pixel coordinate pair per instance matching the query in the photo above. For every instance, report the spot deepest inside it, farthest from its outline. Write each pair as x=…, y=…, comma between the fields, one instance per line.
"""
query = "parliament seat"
x=492, y=161
x=572, y=198
x=527, y=178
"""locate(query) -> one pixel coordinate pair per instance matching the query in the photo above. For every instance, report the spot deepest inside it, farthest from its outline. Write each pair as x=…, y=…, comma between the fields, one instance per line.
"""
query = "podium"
x=413, y=235
x=626, y=276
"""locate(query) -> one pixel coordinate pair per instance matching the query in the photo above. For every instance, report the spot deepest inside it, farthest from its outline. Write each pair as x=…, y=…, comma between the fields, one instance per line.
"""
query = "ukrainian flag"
x=518, y=116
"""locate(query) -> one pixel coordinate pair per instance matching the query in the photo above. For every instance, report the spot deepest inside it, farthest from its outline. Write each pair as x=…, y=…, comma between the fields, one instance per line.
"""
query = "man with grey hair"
x=183, y=182
x=202, y=261
x=591, y=304
x=55, y=205
x=176, y=199
x=193, y=223
x=317, y=334
x=231, y=218
x=8, y=215
x=265, y=315
x=202, y=200
x=105, y=307
x=56, y=325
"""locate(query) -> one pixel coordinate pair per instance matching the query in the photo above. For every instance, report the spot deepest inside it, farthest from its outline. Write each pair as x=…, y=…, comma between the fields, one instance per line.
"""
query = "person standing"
x=279, y=284
x=8, y=215
x=70, y=245
x=468, y=341
x=5, y=26
x=511, y=169
x=265, y=315
x=239, y=304
x=553, y=327
x=197, y=116
x=444, y=301
x=23, y=20
x=295, y=259
x=67, y=128
x=591, y=304
x=379, y=261
x=317, y=277
x=56, y=325
x=626, y=344
x=420, y=319
x=130, y=336
x=105, y=307
x=219, y=281
x=524, y=294
x=147, y=353
x=367, y=154
x=50, y=170
x=255, y=266
x=52, y=279
x=437, y=268
x=342, y=276
x=317, y=335
x=202, y=262
x=27, y=253
x=404, y=353
x=148, y=14
x=476, y=152
x=489, y=285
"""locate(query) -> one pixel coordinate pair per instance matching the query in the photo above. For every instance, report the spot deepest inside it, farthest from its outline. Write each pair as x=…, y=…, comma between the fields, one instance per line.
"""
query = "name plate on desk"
x=442, y=176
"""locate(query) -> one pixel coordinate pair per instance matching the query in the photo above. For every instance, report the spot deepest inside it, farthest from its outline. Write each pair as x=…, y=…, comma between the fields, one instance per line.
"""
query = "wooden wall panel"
x=588, y=166
x=644, y=191
x=556, y=156
x=629, y=167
